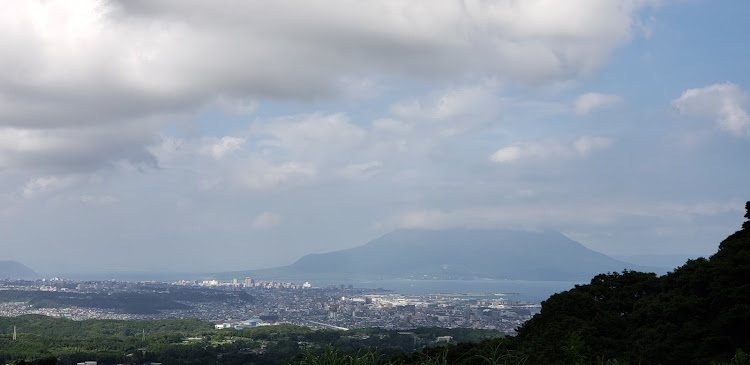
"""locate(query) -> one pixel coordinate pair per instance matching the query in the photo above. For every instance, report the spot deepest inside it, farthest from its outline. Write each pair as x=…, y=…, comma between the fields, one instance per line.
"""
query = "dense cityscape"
x=247, y=303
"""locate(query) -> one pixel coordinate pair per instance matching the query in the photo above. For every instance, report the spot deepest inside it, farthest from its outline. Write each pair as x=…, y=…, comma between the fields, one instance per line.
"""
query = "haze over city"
x=224, y=135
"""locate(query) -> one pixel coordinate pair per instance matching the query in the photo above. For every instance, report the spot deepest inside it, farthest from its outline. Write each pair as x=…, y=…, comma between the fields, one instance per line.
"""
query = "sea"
x=521, y=290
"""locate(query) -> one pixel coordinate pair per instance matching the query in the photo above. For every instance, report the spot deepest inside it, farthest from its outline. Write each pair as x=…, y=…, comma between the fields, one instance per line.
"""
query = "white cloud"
x=527, y=216
x=587, y=144
x=276, y=153
x=725, y=103
x=361, y=171
x=138, y=58
x=589, y=102
x=309, y=136
x=533, y=215
x=549, y=149
x=391, y=126
x=220, y=147
x=208, y=162
x=452, y=111
x=235, y=106
x=94, y=199
x=447, y=105
x=266, y=220
x=73, y=149
x=507, y=154
x=392, y=105
x=530, y=151
x=258, y=175
x=109, y=75
x=359, y=88
x=686, y=211
x=170, y=151
x=47, y=184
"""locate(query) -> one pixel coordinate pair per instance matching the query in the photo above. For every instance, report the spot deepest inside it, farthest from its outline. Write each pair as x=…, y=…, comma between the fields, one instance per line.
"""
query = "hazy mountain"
x=460, y=254
x=15, y=270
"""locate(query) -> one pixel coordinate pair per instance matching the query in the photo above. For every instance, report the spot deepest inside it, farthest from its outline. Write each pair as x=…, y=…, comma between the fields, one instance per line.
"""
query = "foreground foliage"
x=41, y=339
x=126, y=302
x=698, y=313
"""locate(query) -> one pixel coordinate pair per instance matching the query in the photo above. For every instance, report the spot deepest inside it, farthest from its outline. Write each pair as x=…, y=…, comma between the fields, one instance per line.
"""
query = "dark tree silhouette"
x=699, y=313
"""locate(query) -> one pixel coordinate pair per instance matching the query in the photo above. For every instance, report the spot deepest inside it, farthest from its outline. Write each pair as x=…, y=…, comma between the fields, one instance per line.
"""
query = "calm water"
x=530, y=291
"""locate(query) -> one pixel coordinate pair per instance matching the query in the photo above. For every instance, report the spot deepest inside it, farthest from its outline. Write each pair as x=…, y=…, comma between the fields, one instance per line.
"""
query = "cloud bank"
x=725, y=104
x=273, y=129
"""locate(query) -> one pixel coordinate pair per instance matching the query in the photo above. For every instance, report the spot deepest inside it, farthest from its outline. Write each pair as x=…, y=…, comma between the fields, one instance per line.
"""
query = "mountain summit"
x=463, y=254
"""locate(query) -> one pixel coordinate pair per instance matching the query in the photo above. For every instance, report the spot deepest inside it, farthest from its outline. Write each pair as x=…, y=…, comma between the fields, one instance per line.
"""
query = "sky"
x=183, y=135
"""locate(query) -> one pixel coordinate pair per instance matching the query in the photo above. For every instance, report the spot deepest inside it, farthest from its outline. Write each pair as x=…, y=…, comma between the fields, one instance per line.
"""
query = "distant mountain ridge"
x=15, y=270
x=461, y=254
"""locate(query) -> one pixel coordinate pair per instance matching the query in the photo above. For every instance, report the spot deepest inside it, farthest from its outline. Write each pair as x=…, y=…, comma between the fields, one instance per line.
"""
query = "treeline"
x=108, y=341
x=122, y=302
x=699, y=313
x=41, y=339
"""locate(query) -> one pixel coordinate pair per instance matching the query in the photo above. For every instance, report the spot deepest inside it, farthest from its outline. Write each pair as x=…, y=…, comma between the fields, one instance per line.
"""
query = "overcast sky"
x=227, y=135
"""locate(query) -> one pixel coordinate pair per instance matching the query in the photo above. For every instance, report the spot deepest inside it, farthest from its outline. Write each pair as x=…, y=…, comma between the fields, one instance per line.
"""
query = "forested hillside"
x=697, y=314
x=45, y=340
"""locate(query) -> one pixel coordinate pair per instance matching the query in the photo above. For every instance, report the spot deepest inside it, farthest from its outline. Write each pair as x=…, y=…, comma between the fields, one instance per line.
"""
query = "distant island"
x=15, y=270
x=457, y=254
